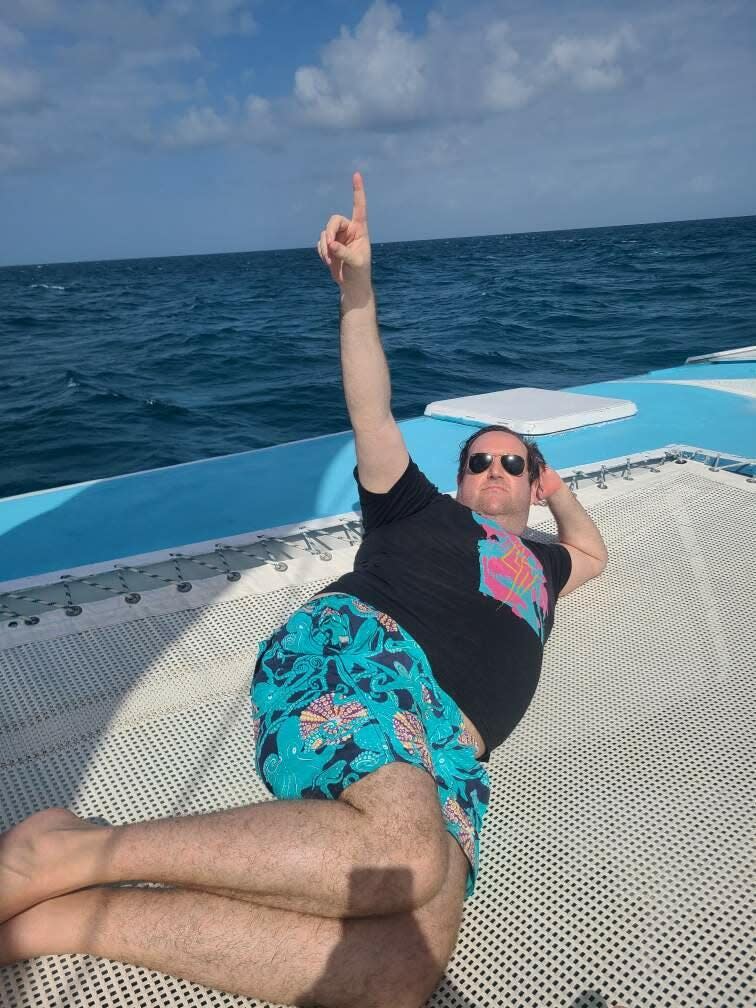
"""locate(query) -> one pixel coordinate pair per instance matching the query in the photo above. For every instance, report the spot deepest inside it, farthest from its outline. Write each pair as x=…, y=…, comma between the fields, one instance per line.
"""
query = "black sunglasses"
x=480, y=461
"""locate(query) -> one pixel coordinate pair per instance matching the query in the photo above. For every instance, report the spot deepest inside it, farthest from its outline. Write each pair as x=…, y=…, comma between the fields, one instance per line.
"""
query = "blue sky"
x=161, y=127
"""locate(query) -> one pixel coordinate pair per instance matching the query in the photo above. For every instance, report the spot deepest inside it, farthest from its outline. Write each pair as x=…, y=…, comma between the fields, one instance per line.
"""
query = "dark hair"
x=535, y=459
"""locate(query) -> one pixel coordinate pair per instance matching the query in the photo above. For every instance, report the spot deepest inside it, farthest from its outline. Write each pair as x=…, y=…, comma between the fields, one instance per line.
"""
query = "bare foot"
x=58, y=926
x=27, y=935
x=42, y=857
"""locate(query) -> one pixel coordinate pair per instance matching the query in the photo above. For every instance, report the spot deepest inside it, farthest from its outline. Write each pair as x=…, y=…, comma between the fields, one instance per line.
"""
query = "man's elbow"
x=591, y=561
x=593, y=564
x=602, y=559
x=590, y=567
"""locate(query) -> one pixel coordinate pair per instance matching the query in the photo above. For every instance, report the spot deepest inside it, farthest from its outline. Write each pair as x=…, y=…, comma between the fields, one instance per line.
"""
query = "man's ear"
x=535, y=488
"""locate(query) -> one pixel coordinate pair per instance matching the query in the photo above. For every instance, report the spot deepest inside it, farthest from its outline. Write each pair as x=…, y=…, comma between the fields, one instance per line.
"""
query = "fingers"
x=359, y=205
x=339, y=227
x=335, y=225
x=332, y=253
x=322, y=248
x=337, y=250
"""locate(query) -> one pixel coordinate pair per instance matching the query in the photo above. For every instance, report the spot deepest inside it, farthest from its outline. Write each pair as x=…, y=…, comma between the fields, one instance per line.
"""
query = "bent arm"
x=580, y=537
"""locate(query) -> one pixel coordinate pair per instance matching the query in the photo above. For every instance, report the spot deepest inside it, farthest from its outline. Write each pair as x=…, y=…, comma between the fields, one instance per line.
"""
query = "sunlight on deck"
x=616, y=851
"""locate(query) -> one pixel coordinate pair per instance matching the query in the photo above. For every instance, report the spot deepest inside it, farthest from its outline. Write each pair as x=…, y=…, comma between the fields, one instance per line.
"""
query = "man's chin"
x=497, y=507
x=512, y=522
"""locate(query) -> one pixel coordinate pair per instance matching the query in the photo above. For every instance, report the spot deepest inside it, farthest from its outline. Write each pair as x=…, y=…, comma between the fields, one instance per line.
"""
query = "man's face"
x=494, y=492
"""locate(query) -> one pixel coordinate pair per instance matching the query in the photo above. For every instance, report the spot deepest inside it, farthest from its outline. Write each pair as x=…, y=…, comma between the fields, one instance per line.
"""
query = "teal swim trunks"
x=341, y=690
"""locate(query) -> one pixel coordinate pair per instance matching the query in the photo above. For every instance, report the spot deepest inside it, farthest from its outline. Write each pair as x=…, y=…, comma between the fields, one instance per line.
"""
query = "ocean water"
x=111, y=367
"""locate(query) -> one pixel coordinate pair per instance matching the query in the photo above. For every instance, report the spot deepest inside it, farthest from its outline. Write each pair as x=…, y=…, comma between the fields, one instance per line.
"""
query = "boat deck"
x=86, y=527
x=616, y=852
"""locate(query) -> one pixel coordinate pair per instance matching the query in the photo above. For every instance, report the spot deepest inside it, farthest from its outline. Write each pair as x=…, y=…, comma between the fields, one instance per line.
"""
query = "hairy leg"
x=291, y=855
x=254, y=951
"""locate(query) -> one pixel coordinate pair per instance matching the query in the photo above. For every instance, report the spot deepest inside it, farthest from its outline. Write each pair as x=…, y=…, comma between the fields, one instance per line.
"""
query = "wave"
x=166, y=408
x=101, y=391
x=144, y=363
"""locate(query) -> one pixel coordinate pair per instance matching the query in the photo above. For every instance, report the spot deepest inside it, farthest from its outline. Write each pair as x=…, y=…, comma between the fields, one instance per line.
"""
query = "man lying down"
x=376, y=707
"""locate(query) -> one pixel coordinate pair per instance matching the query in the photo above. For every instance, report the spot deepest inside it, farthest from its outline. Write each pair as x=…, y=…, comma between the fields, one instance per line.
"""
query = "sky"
x=136, y=128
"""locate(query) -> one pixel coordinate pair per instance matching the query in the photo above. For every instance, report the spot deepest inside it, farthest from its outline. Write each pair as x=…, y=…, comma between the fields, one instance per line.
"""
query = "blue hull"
x=97, y=522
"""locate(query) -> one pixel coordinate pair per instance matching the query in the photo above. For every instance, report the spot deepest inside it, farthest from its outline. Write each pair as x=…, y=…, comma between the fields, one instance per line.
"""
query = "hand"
x=548, y=483
x=344, y=245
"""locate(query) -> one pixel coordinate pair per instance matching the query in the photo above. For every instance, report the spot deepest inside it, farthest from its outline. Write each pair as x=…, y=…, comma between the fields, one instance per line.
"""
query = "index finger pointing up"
x=359, y=208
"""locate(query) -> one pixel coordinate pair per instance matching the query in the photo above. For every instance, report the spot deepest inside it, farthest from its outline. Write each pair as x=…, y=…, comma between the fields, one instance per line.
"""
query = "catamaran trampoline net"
x=616, y=856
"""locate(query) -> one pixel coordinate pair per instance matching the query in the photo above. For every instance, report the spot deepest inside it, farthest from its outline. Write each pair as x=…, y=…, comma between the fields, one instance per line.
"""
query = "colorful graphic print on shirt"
x=510, y=573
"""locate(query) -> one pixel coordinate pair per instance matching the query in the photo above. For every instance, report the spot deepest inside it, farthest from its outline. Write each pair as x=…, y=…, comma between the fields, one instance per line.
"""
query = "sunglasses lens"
x=478, y=462
x=514, y=464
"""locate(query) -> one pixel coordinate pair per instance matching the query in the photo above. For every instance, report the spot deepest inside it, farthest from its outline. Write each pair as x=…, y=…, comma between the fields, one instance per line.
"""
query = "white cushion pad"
x=532, y=410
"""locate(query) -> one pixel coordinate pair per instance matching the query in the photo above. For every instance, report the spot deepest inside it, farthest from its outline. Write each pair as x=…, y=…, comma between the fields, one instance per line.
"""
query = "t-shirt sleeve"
x=411, y=493
x=557, y=567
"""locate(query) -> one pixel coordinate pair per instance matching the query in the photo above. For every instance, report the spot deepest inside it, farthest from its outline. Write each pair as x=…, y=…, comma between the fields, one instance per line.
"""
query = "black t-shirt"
x=478, y=599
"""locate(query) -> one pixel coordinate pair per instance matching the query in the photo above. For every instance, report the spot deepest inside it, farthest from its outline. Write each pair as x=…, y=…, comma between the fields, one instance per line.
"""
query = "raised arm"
x=344, y=246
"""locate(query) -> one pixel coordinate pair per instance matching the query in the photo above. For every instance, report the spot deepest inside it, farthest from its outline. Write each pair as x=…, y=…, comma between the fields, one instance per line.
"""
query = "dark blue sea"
x=111, y=367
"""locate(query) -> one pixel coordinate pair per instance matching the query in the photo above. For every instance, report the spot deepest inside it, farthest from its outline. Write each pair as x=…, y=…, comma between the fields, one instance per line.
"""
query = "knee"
x=411, y=867
x=408, y=882
x=404, y=836
x=427, y=860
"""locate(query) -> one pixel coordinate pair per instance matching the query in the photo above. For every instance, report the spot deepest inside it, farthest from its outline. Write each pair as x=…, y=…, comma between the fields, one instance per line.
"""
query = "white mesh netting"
x=616, y=856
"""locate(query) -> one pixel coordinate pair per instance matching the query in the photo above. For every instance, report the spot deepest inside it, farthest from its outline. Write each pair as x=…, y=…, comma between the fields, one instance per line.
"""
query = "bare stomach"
x=469, y=726
x=476, y=736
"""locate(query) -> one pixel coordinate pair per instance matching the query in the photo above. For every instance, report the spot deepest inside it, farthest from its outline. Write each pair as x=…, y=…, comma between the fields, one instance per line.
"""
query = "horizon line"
x=396, y=241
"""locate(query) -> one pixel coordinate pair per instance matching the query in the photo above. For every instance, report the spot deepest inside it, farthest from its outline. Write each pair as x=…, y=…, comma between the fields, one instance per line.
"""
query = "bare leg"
x=289, y=855
x=254, y=951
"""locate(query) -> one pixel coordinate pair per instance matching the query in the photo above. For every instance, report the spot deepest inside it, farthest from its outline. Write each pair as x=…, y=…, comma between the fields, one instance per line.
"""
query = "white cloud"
x=463, y=68
x=381, y=77
x=501, y=87
x=120, y=72
x=199, y=127
x=376, y=76
x=18, y=89
x=258, y=113
x=143, y=73
x=592, y=64
x=250, y=121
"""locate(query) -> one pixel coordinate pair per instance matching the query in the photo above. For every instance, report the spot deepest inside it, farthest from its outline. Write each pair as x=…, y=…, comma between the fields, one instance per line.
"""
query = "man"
x=355, y=900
